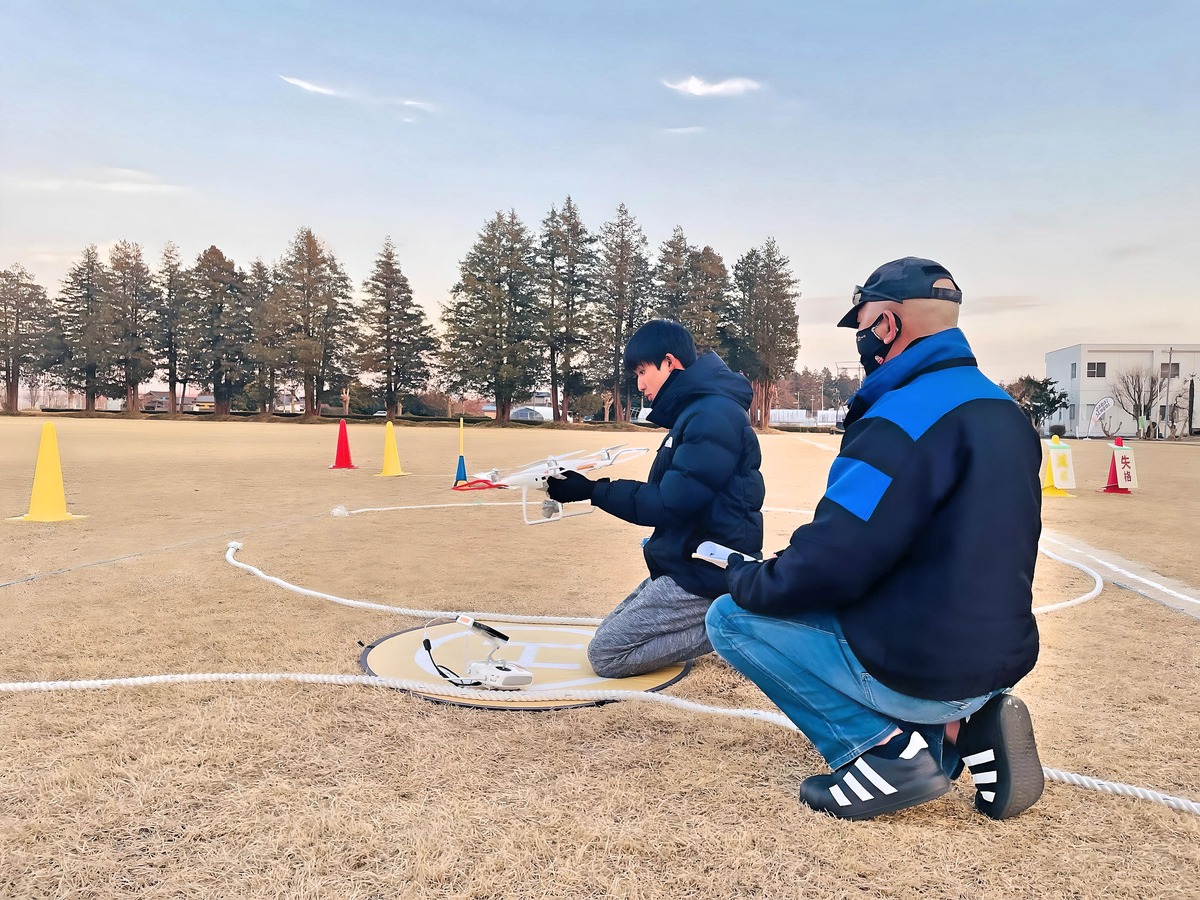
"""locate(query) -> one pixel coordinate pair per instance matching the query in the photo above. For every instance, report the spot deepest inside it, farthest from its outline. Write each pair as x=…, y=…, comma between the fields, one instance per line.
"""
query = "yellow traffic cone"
x=391, y=456
x=48, y=502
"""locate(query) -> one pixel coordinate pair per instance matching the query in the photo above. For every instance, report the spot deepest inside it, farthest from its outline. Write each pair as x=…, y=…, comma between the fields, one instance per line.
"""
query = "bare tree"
x=1136, y=390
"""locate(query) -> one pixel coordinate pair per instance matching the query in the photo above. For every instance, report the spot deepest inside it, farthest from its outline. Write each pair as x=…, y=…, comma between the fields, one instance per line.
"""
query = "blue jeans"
x=805, y=665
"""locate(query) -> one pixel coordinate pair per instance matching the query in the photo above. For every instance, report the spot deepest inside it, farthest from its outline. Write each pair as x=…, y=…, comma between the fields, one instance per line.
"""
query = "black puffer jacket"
x=704, y=484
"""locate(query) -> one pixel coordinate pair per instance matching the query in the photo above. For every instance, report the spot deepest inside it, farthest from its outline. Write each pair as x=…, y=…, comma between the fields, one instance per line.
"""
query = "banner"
x=1102, y=407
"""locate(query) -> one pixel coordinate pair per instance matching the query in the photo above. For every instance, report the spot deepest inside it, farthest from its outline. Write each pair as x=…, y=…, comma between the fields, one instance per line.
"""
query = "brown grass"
x=255, y=790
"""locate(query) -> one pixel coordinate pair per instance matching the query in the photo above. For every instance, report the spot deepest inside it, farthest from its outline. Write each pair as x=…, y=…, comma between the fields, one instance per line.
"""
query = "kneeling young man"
x=893, y=625
x=704, y=486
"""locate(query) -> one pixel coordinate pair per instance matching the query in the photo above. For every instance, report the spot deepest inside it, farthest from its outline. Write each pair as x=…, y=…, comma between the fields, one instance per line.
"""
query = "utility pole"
x=1167, y=396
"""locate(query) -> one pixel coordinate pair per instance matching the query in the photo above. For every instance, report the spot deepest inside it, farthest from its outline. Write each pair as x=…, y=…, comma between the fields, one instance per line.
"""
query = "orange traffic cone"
x=48, y=503
x=341, y=459
x=1114, y=484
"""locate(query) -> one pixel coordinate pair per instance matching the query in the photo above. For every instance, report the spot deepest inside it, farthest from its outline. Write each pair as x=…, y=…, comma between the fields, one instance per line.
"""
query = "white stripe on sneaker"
x=853, y=783
x=989, y=796
x=874, y=777
x=984, y=778
x=839, y=796
x=976, y=758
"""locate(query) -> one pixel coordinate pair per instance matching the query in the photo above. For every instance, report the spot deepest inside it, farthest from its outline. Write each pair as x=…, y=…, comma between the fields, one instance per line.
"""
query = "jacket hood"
x=708, y=375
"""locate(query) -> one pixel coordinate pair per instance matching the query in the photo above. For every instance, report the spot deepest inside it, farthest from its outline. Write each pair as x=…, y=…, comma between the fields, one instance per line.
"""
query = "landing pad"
x=555, y=654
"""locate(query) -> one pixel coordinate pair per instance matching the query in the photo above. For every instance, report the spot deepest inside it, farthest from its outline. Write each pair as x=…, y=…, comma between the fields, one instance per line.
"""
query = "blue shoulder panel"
x=918, y=405
x=856, y=486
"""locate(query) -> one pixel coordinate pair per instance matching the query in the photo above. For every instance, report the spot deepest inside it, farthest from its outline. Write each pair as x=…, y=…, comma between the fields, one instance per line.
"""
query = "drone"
x=535, y=476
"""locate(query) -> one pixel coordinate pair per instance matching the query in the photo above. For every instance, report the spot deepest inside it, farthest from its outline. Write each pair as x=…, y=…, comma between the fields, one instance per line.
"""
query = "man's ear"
x=889, y=316
x=672, y=362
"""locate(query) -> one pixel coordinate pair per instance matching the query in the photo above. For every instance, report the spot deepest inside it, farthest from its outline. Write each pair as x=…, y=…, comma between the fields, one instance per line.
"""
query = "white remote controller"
x=716, y=554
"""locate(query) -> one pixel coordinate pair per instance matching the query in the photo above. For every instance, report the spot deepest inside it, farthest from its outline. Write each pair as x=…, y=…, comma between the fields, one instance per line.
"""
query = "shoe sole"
x=1018, y=770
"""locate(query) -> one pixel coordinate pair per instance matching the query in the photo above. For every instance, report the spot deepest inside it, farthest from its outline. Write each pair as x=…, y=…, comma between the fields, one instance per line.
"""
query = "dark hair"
x=652, y=342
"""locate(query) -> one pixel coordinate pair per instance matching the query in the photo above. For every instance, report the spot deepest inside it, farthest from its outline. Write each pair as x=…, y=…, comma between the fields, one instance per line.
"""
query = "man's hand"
x=570, y=487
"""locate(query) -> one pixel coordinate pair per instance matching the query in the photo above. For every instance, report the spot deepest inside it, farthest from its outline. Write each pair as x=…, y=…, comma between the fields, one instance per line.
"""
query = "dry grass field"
x=299, y=791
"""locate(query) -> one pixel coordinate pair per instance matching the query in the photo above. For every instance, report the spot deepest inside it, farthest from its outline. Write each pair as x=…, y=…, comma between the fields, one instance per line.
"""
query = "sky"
x=1047, y=153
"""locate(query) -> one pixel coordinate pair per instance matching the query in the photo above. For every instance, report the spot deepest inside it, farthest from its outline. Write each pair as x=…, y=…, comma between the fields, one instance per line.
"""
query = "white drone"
x=535, y=475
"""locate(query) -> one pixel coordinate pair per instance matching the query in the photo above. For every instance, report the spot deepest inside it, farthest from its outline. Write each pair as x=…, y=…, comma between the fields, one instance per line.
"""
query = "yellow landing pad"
x=555, y=654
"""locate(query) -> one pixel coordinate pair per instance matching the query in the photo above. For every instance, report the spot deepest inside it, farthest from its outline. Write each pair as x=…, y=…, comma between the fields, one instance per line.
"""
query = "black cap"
x=910, y=278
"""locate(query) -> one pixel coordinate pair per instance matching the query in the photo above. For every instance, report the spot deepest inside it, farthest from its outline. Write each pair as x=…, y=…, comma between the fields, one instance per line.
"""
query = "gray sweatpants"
x=658, y=624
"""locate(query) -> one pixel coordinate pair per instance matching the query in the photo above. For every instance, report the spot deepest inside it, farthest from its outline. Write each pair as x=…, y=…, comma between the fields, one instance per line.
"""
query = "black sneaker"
x=873, y=785
x=997, y=745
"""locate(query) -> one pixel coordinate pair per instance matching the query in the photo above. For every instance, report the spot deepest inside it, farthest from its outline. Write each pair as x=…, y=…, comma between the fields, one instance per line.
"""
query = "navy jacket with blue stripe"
x=925, y=541
x=704, y=484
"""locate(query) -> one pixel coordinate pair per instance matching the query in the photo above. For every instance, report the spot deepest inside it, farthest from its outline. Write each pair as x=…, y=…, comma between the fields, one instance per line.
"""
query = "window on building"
x=1096, y=369
x=1162, y=412
x=1073, y=365
x=1173, y=373
x=1071, y=413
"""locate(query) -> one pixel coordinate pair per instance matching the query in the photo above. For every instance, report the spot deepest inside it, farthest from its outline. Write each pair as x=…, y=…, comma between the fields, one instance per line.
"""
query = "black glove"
x=570, y=487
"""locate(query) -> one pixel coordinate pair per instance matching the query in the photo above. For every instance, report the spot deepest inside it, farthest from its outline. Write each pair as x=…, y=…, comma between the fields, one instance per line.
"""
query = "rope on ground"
x=1072, y=778
x=403, y=684
x=234, y=547
x=1111, y=787
x=1084, y=598
x=1128, y=790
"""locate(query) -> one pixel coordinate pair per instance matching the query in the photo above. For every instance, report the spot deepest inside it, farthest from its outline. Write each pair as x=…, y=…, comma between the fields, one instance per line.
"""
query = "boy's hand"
x=570, y=487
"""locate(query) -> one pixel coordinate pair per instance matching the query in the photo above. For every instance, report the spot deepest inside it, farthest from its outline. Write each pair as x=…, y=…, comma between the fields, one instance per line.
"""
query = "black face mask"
x=871, y=350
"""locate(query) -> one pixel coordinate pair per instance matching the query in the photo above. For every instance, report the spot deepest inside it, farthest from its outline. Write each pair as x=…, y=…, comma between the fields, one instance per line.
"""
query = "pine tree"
x=623, y=289
x=217, y=340
x=491, y=321
x=168, y=321
x=565, y=269
x=24, y=315
x=269, y=350
x=81, y=343
x=133, y=298
x=708, y=295
x=397, y=341
x=760, y=331
x=672, y=277
x=314, y=292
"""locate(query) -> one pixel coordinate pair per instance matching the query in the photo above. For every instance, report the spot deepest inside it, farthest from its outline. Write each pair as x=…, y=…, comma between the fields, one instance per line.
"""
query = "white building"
x=1088, y=372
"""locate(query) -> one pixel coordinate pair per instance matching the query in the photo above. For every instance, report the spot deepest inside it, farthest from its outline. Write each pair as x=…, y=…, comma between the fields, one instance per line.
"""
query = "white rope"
x=1111, y=787
x=775, y=718
x=403, y=684
x=234, y=547
x=1154, y=584
x=1084, y=598
x=1177, y=803
x=1128, y=790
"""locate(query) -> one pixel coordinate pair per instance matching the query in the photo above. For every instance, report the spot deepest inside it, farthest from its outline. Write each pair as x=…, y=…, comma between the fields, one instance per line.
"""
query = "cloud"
x=730, y=87
x=688, y=129
x=115, y=181
x=312, y=88
x=370, y=99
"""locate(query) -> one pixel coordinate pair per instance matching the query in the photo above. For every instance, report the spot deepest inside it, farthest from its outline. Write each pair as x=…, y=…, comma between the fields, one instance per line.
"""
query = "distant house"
x=532, y=414
x=158, y=401
x=204, y=403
